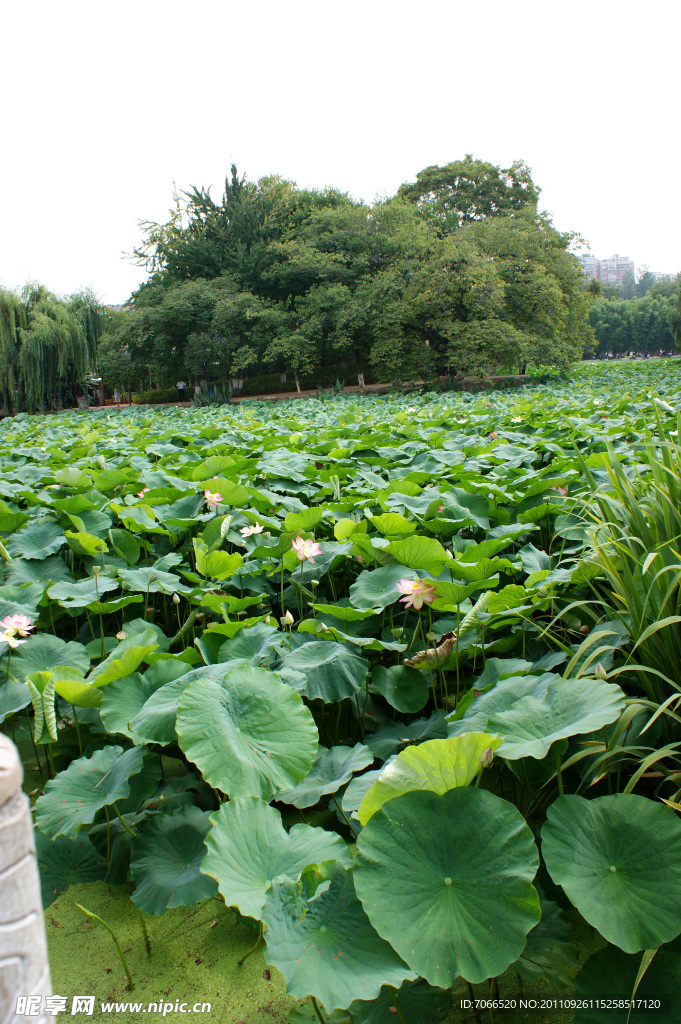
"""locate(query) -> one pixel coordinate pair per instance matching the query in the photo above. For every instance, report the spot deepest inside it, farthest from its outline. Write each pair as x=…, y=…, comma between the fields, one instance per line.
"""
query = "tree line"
x=459, y=272
x=646, y=325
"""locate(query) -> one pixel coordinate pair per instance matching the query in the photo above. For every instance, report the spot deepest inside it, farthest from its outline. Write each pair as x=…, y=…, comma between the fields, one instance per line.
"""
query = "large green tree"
x=47, y=345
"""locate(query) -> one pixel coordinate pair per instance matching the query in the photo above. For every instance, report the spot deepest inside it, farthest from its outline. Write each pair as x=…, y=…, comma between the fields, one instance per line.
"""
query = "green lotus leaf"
x=122, y=700
x=85, y=544
x=52, y=569
x=531, y=713
x=391, y=523
x=420, y=1003
x=150, y=580
x=218, y=564
x=84, y=592
x=436, y=766
x=550, y=952
x=377, y=588
x=344, y=612
x=45, y=652
x=331, y=770
x=390, y=738
x=447, y=880
x=63, y=862
x=611, y=974
x=617, y=857
x=120, y=663
x=306, y=519
x=155, y=722
x=326, y=946
x=332, y=671
x=419, y=553
x=14, y=696
x=39, y=539
x=166, y=861
x=248, y=848
x=125, y=545
x=70, y=684
x=248, y=732
x=74, y=796
x=405, y=689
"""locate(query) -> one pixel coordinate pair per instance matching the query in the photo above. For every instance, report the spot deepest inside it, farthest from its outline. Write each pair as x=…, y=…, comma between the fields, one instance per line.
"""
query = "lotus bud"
x=267, y=534
x=487, y=758
x=314, y=584
x=583, y=629
x=176, y=598
x=121, y=636
x=600, y=672
x=200, y=616
x=150, y=611
x=270, y=621
x=448, y=553
x=286, y=620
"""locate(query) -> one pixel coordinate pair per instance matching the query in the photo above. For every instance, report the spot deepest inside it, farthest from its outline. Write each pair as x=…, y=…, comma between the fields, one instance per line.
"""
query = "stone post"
x=24, y=970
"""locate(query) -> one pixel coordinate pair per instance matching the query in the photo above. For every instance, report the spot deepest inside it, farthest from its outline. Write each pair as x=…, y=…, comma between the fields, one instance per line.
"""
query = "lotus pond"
x=390, y=684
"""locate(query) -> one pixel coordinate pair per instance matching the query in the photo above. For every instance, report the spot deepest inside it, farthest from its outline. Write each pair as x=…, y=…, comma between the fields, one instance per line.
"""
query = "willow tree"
x=47, y=345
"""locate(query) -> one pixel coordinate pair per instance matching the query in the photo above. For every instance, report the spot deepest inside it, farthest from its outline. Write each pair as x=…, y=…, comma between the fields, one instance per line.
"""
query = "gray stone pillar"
x=24, y=970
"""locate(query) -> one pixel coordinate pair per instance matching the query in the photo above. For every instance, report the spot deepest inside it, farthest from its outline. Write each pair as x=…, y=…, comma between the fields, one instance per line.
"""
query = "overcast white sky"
x=105, y=104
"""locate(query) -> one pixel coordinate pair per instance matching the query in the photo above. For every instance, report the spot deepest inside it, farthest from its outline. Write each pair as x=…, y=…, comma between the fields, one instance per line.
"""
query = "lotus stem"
x=559, y=772
x=397, y=1006
x=94, y=917
x=255, y=945
x=147, y=941
x=317, y=1011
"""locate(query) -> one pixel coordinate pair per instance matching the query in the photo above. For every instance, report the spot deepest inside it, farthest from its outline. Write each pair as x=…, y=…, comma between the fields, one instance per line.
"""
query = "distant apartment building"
x=663, y=277
x=610, y=271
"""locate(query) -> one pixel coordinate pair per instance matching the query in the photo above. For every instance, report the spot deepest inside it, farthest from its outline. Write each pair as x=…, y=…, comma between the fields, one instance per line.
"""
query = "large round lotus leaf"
x=52, y=569
x=447, y=880
x=326, y=946
x=331, y=770
x=248, y=733
x=377, y=588
x=155, y=721
x=84, y=592
x=419, y=1002
x=532, y=713
x=46, y=652
x=121, y=701
x=248, y=848
x=405, y=689
x=618, y=858
x=611, y=974
x=419, y=553
x=166, y=862
x=64, y=862
x=333, y=671
x=37, y=540
x=436, y=766
x=14, y=696
x=74, y=796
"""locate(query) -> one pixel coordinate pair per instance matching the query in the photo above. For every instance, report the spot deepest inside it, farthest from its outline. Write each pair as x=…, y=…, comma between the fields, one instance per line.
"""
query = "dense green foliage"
x=47, y=345
x=638, y=325
x=401, y=793
x=459, y=272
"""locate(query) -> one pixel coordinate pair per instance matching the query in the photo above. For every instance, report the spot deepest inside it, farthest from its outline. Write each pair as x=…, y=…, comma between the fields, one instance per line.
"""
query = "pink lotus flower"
x=140, y=494
x=16, y=623
x=10, y=639
x=248, y=531
x=305, y=549
x=561, y=490
x=417, y=592
x=212, y=500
